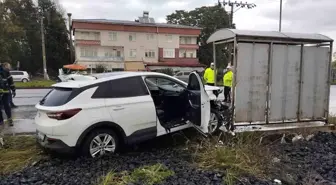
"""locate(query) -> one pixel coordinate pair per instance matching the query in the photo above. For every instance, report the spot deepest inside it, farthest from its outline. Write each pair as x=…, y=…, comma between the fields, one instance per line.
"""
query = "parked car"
x=182, y=75
x=98, y=116
x=20, y=76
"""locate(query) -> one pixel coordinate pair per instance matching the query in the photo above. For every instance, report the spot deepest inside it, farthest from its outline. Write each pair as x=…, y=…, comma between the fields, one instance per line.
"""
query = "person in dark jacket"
x=7, y=90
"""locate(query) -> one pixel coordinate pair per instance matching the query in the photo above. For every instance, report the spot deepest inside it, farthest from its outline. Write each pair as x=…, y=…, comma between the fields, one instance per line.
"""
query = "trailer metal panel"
x=285, y=82
x=251, y=84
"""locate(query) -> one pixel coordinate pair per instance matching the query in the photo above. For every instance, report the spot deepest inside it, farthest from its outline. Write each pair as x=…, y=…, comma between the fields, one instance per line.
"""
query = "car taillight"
x=63, y=115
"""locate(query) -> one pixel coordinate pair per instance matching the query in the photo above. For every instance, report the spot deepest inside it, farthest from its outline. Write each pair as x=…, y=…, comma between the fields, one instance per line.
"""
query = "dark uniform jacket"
x=7, y=82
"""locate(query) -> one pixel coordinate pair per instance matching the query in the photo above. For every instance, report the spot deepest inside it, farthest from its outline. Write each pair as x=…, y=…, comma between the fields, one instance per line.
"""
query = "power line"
x=232, y=5
x=236, y=4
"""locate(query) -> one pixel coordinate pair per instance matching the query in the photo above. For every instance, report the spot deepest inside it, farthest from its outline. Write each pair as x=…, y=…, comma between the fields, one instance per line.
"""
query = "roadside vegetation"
x=19, y=152
x=247, y=154
x=147, y=175
x=35, y=84
x=242, y=155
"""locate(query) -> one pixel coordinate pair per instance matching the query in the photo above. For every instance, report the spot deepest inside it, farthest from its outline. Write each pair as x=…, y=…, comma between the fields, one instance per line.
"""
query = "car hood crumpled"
x=210, y=88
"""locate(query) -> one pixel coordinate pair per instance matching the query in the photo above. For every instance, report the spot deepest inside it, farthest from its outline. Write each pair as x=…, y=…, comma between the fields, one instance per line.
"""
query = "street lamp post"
x=280, y=16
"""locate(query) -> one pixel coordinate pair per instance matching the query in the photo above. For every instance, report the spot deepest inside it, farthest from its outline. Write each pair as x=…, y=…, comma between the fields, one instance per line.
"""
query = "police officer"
x=6, y=85
x=209, y=75
x=227, y=82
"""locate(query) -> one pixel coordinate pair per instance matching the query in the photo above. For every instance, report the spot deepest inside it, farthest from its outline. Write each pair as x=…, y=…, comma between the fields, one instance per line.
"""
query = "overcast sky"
x=306, y=16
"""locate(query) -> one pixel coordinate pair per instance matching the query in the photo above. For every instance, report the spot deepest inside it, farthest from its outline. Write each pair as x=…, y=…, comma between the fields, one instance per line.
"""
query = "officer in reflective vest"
x=209, y=75
x=227, y=81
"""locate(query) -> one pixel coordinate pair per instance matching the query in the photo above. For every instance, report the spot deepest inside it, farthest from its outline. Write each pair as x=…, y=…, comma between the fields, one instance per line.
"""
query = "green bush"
x=35, y=84
x=100, y=68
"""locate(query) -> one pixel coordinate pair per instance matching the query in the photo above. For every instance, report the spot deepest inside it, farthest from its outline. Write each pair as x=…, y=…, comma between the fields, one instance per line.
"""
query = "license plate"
x=40, y=136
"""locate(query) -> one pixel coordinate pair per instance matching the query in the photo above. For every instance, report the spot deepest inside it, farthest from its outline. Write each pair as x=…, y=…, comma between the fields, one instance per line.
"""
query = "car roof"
x=105, y=77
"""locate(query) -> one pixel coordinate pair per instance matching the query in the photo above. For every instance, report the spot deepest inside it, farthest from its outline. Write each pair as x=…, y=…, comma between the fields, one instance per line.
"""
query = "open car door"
x=199, y=101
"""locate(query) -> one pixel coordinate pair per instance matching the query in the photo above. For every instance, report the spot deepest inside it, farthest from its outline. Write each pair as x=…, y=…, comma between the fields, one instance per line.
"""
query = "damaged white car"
x=98, y=116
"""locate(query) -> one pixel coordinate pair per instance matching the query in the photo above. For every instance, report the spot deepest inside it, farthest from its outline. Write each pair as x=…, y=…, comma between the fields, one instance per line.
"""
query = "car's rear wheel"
x=100, y=142
x=24, y=80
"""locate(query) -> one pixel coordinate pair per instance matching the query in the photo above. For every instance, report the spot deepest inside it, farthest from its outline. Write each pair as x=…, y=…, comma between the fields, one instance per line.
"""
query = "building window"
x=118, y=53
x=85, y=35
x=89, y=36
x=186, y=40
x=132, y=37
x=112, y=36
x=150, y=54
x=169, y=38
x=95, y=36
x=88, y=52
x=168, y=53
x=191, y=55
x=185, y=55
x=132, y=53
x=112, y=53
x=150, y=36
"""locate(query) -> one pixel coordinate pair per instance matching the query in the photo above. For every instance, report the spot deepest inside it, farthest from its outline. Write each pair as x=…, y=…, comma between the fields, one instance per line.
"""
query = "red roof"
x=176, y=64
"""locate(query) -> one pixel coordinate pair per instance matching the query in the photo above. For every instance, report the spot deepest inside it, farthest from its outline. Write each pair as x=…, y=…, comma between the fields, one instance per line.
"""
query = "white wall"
x=141, y=44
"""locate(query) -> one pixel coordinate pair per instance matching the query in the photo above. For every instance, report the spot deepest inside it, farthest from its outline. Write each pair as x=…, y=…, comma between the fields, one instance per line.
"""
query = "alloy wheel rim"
x=102, y=144
x=213, y=123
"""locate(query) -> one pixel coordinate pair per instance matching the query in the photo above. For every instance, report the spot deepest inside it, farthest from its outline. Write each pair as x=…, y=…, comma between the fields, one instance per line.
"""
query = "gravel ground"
x=297, y=159
x=310, y=162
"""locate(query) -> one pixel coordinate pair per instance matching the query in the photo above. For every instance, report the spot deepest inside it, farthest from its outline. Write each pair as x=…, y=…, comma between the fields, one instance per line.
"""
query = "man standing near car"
x=227, y=81
x=7, y=90
x=6, y=84
x=209, y=75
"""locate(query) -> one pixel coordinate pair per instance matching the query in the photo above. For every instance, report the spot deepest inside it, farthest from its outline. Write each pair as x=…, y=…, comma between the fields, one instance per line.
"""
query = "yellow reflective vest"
x=227, y=79
x=209, y=75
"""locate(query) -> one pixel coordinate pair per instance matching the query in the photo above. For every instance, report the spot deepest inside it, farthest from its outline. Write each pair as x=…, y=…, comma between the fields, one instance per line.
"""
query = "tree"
x=210, y=19
x=20, y=34
x=333, y=64
x=56, y=34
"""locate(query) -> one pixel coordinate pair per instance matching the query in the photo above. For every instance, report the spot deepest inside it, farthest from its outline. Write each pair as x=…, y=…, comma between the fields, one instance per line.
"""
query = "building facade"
x=117, y=44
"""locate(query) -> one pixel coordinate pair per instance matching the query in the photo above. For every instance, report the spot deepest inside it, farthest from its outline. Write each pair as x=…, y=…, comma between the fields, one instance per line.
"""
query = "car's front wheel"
x=100, y=142
x=215, y=122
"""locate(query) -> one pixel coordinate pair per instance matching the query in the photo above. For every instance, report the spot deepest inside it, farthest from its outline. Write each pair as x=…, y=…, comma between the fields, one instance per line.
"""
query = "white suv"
x=98, y=116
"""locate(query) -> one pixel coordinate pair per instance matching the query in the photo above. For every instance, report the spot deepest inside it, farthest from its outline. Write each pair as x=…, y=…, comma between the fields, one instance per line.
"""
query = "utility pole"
x=45, y=74
x=70, y=40
x=237, y=4
x=231, y=24
x=280, y=17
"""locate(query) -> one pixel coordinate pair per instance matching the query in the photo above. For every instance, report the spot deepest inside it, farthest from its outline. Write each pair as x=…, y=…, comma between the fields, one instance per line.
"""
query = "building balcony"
x=101, y=59
x=189, y=46
x=87, y=42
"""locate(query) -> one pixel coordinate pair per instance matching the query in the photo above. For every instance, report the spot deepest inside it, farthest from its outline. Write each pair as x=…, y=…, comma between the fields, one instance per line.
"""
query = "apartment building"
x=132, y=45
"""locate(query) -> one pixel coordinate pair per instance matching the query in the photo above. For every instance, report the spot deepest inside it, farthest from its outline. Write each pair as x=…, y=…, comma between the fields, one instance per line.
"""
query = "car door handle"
x=119, y=108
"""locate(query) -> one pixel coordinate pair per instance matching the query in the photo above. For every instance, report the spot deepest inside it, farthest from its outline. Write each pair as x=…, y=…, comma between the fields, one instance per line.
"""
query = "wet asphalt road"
x=26, y=99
